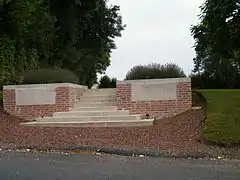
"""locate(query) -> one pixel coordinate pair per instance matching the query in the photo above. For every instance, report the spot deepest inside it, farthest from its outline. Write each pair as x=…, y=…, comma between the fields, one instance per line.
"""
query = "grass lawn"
x=223, y=116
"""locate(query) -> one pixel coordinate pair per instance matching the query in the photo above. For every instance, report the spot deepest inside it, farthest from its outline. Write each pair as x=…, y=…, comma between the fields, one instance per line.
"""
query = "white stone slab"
x=153, y=91
x=35, y=96
x=167, y=80
x=54, y=85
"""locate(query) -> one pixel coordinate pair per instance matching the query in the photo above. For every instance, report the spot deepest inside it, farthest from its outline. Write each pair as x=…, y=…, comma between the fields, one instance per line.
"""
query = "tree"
x=7, y=61
x=85, y=36
x=155, y=71
x=72, y=34
x=217, y=41
x=29, y=28
x=107, y=82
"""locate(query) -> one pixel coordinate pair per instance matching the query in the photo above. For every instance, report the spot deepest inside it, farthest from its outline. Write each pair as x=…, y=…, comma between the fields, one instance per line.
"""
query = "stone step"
x=90, y=113
x=95, y=104
x=100, y=108
x=102, y=90
x=98, y=96
x=88, y=100
x=94, y=92
x=89, y=118
x=123, y=123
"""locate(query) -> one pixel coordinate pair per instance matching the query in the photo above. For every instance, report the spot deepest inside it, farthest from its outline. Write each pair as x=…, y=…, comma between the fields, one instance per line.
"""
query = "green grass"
x=223, y=116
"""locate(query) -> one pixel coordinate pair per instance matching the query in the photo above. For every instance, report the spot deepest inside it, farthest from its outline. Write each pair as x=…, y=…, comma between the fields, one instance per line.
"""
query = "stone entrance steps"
x=96, y=108
x=124, y=123
x=102, y=100
x=90, y=113
x=95, y=104
x=68, y=118
x=100, y=92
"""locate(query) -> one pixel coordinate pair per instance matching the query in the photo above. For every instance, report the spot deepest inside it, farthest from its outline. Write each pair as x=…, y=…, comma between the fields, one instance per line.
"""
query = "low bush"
x=107, y=82
x=1, y=99
x=49, y=76
x=155, y=71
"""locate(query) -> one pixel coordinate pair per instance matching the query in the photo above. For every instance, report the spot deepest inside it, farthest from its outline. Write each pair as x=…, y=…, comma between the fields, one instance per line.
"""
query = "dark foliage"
x=49, y=76
x=107, y=82
x=204, y=81
x=217, y=45
x=73, y=34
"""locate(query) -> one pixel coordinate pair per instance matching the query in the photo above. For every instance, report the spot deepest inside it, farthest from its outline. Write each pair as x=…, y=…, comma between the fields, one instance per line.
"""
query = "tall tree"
x=27, y=27
x=74, y=34
x=86, y=32
x=217, y=39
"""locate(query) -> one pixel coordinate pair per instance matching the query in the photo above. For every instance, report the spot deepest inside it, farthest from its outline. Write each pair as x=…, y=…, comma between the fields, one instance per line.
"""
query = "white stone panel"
x=153, y=91
x=35, y=96
x=54, y=85
x=167, y=80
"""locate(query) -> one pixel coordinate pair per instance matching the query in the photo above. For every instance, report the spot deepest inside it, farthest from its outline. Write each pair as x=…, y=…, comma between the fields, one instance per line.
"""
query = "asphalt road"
x=42, y=166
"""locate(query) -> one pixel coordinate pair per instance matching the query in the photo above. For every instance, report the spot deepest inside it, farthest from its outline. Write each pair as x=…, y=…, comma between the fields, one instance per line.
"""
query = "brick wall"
x=156, y=108
x=66, y=97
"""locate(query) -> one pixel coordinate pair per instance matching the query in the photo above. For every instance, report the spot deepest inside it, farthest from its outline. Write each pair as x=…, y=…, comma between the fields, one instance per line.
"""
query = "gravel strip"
x=176, y=136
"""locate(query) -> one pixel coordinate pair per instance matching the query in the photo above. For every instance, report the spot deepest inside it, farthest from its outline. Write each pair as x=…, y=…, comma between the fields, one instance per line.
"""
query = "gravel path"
x=176, y=135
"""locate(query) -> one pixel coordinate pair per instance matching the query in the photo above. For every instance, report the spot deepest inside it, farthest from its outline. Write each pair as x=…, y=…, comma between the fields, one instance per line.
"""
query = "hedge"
x=44, y=76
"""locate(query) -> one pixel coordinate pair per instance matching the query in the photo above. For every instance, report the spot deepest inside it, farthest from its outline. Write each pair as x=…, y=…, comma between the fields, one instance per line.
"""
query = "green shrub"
x=107, y=82
x=7, y=61
x=113, y=82
x=1, y=99
x=206, y=81
x=155, y=71
x=49, y=76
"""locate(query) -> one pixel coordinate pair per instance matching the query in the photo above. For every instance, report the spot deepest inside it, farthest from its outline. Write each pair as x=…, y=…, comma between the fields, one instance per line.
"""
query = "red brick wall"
x=158, y=108
x=65, y=99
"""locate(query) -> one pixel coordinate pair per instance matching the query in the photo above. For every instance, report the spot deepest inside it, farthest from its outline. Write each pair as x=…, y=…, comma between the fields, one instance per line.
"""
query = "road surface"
x=43, y=166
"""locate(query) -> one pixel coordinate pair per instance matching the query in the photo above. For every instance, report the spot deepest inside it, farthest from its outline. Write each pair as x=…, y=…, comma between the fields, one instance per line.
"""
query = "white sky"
x=157, y=31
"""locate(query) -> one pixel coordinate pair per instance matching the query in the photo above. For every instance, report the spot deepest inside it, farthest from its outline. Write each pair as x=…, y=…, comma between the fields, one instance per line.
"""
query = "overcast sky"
x=157, y=31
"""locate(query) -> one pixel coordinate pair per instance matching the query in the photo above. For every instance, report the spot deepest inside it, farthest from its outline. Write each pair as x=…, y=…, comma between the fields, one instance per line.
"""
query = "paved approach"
x=42, y=166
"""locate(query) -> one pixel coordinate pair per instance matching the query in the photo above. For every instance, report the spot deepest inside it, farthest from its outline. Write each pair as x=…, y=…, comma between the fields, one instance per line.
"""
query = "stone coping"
x=54, y=85
x=157, y=81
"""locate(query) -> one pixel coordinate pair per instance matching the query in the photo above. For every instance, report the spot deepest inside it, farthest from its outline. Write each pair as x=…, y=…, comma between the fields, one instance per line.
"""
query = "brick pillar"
x=155, y=107
x=65, y=98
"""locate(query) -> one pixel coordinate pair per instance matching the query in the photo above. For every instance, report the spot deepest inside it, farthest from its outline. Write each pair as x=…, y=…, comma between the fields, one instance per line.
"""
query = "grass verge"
x=222, y=124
